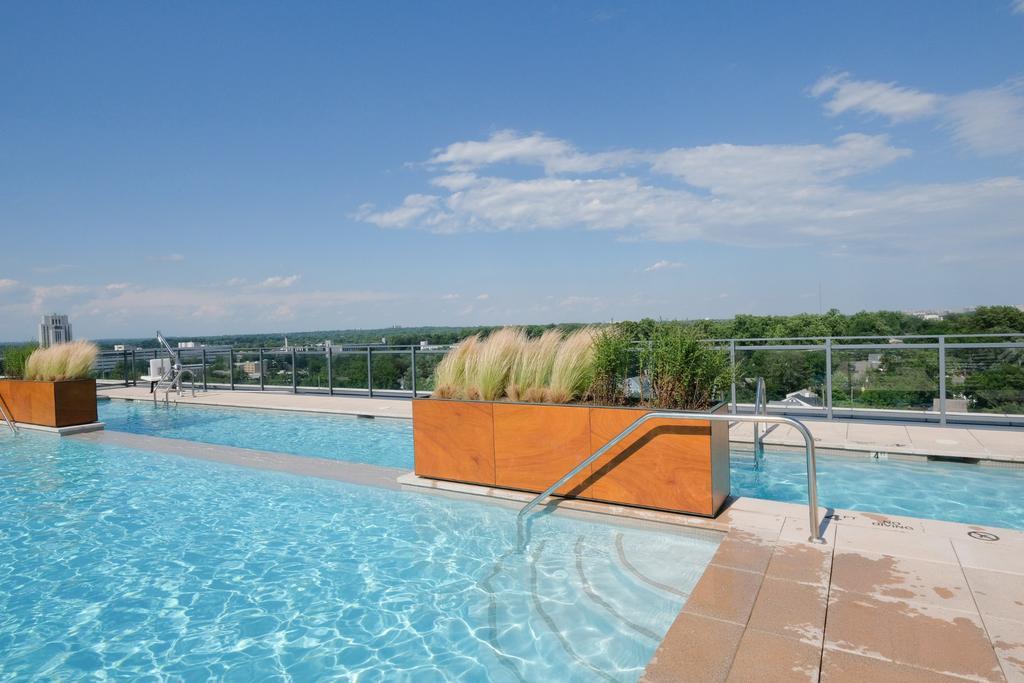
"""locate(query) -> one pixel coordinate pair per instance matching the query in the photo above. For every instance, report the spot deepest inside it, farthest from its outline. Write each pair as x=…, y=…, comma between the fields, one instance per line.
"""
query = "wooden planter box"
x=682, y=466
x=51, y=404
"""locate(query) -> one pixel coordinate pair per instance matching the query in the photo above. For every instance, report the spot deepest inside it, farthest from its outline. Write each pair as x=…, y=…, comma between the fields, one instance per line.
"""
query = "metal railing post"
x=204, y=369
x=330, y=371
x=828, y=377
x=262, y=369
x=942, y=380
x=732, y=364
x=295, y=386
x=124, y=364
x=231, y=368
x=135, y=382
x=369, y=372
x=412, y=371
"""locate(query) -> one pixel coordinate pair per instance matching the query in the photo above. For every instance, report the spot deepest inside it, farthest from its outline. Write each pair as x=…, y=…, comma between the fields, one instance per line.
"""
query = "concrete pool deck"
x=885, y=598
x=1004, y=444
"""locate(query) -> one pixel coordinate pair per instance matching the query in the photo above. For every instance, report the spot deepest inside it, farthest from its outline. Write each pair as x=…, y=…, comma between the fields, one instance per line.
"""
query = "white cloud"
x=873, y=97
x=535, y=149
x=759, y=195
x=451, y=297
x=663, y=265
x=7, y=283
x=117, y=285
x=989, y=121
x=280, y=281
x=731, y=169
x=483, y=297
x=1018, y=7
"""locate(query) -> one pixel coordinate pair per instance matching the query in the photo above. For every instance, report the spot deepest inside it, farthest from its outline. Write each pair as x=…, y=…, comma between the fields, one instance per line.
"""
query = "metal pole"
x=135, y=382
x=231, y=367
x=942, y=380
x=369, y=371
x=261, y=369
x=295, y=386
x=330, y=371
x=204, y=370
x=732, y=363
x=828, y=377
x=124, y=364
x=412, y=369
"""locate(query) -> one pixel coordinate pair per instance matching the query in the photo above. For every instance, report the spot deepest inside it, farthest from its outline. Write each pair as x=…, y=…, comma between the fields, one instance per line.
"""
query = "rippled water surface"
x=125, y=564
x=385, y=441
x=956, y=492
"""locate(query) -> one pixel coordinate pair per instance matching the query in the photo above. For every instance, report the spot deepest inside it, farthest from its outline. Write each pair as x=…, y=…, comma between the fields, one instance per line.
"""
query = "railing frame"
x=941, y=344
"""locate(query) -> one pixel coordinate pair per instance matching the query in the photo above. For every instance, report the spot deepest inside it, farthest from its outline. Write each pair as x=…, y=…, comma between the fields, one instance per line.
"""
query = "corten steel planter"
x=50, y=404
x=681, y=466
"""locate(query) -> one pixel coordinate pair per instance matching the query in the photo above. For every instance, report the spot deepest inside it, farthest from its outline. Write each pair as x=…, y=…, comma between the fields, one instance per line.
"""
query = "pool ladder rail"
x=171, y=379
x=760, y=431
x=812, y=476
x=7, y=415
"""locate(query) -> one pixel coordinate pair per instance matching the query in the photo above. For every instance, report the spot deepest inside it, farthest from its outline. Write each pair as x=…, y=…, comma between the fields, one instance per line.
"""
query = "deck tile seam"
x=828, y=601
x=757, y=593
x=879, y=658
x=981, y=616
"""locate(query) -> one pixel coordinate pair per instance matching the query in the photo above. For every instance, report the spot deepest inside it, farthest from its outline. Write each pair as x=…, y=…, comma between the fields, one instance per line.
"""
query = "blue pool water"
x=973, y=494
x=948, y=491
x=118, y=563
x=386, y=442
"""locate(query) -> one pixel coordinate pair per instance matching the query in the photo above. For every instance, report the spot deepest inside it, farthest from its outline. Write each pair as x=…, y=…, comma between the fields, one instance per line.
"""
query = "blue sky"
x=238, y=167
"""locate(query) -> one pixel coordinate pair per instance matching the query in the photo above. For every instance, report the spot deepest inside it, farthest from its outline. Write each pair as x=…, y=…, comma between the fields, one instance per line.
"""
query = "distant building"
x=805, y=398
x=119, y=347
x=187, y=345
x=54, y=329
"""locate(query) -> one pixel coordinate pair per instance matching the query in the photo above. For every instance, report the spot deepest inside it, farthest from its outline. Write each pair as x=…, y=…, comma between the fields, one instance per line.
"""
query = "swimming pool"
x=386, y=441
x=955, y=492
x=936, y=490
x=123, y=563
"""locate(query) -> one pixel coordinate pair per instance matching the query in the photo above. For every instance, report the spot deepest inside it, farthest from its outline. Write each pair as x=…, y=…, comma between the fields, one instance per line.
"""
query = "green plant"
x=685, y=372
x=531, y=370
x=488, y=374
x=573, y=370
x=61, y=362
x=613, y=360
x=450, y=376
x=14, y=359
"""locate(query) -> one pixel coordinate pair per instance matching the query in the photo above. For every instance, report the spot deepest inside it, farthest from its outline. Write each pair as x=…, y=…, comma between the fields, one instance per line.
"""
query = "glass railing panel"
x=980, y=380
x=247, y=368
x=894, y=377
x=794, y=379
x=348, y=370
x=392, y=370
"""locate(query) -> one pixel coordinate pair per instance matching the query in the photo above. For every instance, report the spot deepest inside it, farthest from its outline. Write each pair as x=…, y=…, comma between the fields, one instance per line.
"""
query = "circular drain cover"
x=982, y=535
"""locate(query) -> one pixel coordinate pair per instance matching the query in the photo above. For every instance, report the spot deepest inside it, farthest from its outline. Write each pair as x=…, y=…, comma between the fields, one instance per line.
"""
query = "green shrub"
x=614, y=357
x=14, y=359
x=685, y=372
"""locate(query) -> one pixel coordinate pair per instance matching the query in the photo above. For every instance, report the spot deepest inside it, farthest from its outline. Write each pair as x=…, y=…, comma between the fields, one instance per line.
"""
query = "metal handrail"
x=7, y=418
x=812, y=476
x=760, y=408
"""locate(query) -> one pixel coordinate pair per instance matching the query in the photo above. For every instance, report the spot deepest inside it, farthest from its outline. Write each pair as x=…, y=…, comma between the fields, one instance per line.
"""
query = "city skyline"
x=343, y=167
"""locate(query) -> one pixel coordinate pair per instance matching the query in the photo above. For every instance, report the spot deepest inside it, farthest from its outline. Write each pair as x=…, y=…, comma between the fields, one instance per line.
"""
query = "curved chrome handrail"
x=6, y=416
x=760, y=408
x=812, y=475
